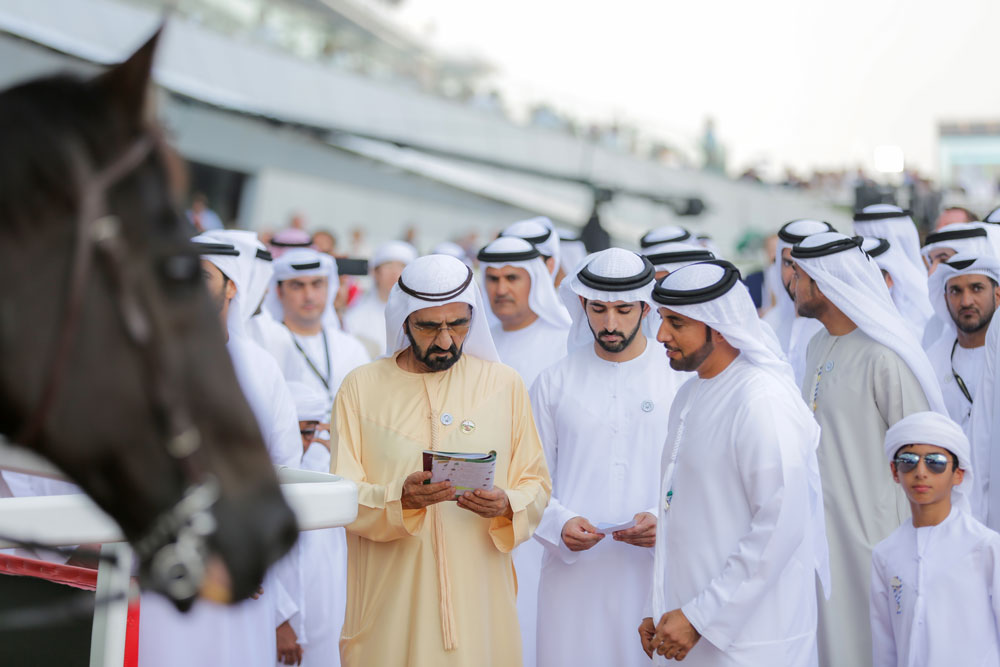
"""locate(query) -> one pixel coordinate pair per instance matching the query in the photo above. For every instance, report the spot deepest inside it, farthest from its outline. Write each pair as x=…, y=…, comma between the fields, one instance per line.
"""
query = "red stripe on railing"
x=70, y=575
x=132, y=634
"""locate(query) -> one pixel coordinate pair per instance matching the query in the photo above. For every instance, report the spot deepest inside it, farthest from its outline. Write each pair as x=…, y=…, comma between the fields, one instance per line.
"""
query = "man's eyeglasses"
x=433, y=328
x=307, y=433
x=907, y=461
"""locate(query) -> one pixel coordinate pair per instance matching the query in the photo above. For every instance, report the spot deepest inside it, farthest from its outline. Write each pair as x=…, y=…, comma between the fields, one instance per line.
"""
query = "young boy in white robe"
x=935, y=589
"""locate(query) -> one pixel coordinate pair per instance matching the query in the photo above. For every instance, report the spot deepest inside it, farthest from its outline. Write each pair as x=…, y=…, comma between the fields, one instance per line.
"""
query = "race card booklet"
x=466, y=472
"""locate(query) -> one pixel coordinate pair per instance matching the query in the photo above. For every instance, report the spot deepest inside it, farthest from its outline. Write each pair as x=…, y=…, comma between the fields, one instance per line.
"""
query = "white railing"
x=318, y=500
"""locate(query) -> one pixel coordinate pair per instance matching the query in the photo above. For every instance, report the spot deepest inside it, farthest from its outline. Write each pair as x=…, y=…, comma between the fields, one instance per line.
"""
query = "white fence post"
x=107, y=637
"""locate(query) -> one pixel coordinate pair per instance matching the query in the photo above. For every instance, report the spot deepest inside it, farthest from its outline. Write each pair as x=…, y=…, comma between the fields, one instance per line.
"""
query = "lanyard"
x=819, y=374
x=958, y=378
x=312, y=366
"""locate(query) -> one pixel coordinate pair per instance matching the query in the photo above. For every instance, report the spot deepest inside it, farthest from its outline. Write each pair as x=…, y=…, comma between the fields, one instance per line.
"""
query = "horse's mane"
x=43, y=121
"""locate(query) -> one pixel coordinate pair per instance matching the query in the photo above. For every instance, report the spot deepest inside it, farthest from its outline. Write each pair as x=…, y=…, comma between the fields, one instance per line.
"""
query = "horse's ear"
x=127, y=85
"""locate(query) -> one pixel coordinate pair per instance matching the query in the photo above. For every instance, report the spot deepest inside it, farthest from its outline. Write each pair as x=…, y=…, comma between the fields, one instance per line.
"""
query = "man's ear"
x=550, y=264
x=230, y=289
x=958, y=476
x=895, y=473
x=583, y=302
x=645, y=308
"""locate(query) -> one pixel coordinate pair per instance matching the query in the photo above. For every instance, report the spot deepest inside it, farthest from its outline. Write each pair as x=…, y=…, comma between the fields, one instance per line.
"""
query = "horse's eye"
x=181, y=268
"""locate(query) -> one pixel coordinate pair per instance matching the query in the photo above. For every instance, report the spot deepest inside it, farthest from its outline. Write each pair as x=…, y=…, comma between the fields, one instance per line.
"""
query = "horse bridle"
x=175, y=546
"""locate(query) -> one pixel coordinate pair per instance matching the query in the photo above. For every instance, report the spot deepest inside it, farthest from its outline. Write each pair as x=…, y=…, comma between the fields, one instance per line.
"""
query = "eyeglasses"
x=429, y=329
x=307, y=433
x=907, y=461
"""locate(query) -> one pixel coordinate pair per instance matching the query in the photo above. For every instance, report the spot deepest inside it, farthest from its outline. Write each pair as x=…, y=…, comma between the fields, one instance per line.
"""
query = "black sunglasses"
x=308, y=433
x=907, y=461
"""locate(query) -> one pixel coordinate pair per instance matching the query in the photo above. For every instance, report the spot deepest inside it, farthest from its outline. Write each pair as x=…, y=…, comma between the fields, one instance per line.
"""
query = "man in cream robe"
x=601, y=413
x=865, y=370
x=740, y=534
x=430, y=580
x=530, y=336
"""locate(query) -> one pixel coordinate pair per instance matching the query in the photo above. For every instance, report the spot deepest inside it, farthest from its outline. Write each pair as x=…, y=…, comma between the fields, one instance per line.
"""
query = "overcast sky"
x=795, y=82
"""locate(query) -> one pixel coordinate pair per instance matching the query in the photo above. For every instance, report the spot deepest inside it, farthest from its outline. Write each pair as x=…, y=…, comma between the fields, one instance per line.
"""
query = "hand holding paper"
x=642, y=534
x=578, y=534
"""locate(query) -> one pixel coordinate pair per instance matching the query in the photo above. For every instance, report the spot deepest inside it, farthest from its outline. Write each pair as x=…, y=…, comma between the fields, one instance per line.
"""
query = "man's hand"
x=289, y=651
x=579, y=535
x=646, y=632
x=675, y=635
x=487, y=504
x=417, y=495
x=642, y=534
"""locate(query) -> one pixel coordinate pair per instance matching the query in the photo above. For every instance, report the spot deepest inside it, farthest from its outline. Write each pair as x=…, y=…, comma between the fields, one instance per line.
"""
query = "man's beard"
x=691, y=362
x=615, y=347
x=978, y=325
x=439, y=363
x=788, y=290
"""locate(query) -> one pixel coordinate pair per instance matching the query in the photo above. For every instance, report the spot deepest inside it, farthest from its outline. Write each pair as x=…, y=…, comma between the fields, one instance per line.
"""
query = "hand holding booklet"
x=466, y=472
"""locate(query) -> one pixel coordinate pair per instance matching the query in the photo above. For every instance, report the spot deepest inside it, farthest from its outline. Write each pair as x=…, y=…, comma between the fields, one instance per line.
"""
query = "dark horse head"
x=112, y=359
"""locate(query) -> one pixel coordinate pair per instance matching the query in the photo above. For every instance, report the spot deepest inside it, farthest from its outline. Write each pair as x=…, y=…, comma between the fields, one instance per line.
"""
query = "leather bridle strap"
x=176, y=542
x=81, y=260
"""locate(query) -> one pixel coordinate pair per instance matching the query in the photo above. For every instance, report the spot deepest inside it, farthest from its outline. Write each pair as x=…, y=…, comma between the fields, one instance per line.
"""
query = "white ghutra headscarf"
x=608, y=275
x=956, y=265
x=304, y=263
x=437, y=280
x=540, y=233
x=234, y=265
x=853, y=282
x=542, y=297
x=909, y=284
x=893, y=224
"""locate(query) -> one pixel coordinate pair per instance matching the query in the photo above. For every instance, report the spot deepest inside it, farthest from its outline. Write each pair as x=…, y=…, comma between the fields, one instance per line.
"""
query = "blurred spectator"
x=712, y=151
x=359, y=245
x=201, y=216
x=287, y=239
x=954, y=214
x=410, y=235
x=325, y=241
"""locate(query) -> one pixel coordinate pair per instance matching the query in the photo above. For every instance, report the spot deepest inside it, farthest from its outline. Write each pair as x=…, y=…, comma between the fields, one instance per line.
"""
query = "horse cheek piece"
x=226, y=502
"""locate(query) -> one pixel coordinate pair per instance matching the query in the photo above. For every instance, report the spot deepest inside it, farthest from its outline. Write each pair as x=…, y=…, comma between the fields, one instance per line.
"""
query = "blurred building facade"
x=969, y=158
x=322, y=109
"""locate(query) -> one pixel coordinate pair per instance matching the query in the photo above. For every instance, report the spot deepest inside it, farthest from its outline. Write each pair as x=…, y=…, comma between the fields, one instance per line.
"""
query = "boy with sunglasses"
x=935, y=582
